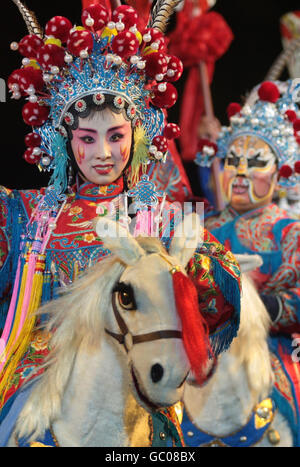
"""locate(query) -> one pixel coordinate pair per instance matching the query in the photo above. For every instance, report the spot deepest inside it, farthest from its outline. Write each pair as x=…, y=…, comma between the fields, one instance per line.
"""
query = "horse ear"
x=186, y=238
x=118, y=240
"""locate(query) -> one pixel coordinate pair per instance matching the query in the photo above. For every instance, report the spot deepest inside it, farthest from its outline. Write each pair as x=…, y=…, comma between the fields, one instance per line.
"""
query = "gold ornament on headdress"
x=30, y=19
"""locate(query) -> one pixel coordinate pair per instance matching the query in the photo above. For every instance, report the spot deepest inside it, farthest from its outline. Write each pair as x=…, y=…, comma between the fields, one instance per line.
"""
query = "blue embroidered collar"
x=48, y=441
x=249, y=435
x=92, y=192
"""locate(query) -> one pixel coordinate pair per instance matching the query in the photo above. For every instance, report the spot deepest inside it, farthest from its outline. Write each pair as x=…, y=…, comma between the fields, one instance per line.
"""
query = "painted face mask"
x=250, y=173
x=101, y=146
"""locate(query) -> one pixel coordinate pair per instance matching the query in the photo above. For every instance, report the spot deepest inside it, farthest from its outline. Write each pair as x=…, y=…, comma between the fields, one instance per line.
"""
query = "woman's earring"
x=70, y=179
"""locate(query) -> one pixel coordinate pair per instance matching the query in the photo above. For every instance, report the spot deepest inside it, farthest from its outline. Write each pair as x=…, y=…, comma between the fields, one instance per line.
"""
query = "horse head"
x=145, y=317
x=140, y=307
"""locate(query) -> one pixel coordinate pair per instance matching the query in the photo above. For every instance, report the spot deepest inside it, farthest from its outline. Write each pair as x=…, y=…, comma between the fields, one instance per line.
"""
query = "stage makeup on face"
x=250, y=173
x=101, y=145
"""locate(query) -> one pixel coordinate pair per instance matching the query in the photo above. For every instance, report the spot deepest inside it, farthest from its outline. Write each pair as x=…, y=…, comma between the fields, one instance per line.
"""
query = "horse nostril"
x=157, y=373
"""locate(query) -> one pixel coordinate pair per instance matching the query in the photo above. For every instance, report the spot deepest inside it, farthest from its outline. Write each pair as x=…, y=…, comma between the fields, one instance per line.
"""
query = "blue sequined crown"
x=267, y=121
x=98, y=75
x=68, y=63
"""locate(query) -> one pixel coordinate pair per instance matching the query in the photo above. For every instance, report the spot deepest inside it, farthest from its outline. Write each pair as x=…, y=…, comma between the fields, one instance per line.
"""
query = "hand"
x=209, y=128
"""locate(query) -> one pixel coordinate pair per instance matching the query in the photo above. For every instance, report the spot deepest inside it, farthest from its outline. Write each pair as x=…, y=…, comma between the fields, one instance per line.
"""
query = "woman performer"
x=95, y=98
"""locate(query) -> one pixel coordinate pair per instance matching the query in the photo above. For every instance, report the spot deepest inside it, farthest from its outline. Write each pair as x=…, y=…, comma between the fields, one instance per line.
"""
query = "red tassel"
x=194, y=328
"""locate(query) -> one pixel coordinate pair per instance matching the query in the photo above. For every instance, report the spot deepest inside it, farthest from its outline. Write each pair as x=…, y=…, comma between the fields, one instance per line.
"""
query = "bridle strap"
x=128, y=340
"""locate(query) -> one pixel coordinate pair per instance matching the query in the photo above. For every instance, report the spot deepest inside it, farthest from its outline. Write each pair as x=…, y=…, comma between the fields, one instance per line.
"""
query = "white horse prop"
x=235, y=408
x=117, y=351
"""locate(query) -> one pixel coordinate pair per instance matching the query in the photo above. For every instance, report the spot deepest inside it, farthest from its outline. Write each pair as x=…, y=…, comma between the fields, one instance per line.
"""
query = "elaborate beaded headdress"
x=270, y=114
x=105, y=56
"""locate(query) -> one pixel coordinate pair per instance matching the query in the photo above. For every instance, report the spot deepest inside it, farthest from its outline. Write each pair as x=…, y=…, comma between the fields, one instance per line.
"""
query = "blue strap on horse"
x=289, y=409
x=247, y=436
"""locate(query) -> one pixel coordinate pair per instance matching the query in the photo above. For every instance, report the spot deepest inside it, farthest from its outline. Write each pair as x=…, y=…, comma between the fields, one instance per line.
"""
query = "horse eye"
x=125, y=296
x=126, y=301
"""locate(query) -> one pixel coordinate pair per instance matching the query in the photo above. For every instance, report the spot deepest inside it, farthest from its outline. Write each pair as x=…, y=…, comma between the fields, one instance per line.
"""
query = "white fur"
x=242, y=379
x=186, y=238
x=118, y=240
x=86, y=389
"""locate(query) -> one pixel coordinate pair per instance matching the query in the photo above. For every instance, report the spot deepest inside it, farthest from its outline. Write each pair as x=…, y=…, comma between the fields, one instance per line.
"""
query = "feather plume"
x=30, y=19
x=282, y=60
x=161, y=13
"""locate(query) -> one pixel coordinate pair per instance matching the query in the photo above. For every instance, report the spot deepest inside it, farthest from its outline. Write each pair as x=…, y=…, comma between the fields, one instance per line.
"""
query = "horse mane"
x=75, y=318
x=250, y=347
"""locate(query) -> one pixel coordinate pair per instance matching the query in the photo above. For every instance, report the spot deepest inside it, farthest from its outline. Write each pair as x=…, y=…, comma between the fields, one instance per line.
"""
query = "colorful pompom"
x=59, y=27
x=80, y=40
x=35, y=114
x=30, y=45
x=297, y=167
x=31, y=157
x=285, y=171
x=33, y=140
x=95, y=17
x=204, y=142
x=172, y=131
x=154, y=36
x=269, y=92
x=51, y=55
x=125, y=44
x=156, y=64
x=232, y=109
x=161, y=143
x=296, y=125
x=15, y=79
x=175, y=68
x=291, y=115
x=165, y=95
x=125, y=14
x=32, y=77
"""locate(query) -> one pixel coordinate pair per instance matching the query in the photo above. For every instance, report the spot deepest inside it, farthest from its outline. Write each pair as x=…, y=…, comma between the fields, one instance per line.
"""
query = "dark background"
x=257, y=43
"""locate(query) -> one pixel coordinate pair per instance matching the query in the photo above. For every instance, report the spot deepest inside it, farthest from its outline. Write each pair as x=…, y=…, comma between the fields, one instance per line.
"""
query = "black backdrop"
x=255, y=24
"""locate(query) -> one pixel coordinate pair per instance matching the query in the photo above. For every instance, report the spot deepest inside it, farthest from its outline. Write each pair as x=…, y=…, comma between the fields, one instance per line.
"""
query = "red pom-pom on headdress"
x=268, y=92
x=172, y=131
x=202, y=142
x=291, y=115
x=95, y=17
x=126, y=14
x=232, y=109
x=156, y=64
x=164, y=95
x=35, y=114
x=58, y=27
x=296, y=125
x=30, y=45
x=297, y=167
x=285, y=171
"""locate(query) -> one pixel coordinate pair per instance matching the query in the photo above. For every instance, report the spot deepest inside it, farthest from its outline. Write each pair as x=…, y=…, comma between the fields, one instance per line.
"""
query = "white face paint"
x=250, y=173
x=101, y=146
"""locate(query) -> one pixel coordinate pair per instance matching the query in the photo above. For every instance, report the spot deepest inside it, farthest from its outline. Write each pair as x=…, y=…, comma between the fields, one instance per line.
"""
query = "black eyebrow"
x=95, y=131
x=256, y=155
x=88, y=129
x=115, y=128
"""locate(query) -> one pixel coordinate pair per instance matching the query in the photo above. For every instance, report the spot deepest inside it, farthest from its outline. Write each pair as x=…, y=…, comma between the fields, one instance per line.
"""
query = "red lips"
x=103, y=169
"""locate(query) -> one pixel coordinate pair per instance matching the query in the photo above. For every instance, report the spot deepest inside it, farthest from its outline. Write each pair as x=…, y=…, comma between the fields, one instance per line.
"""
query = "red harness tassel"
x=194, y=328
